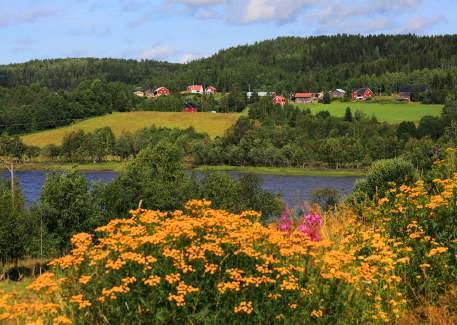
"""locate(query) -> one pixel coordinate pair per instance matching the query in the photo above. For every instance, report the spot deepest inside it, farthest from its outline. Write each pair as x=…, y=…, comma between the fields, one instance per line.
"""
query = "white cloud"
x=158, y=52
x=420, y=24
x=323, y=15
x=272, y=10
x=25, y=16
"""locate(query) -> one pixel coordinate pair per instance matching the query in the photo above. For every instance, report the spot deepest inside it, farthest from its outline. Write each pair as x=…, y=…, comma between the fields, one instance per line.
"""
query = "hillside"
x=284, y=64
x=213, y=124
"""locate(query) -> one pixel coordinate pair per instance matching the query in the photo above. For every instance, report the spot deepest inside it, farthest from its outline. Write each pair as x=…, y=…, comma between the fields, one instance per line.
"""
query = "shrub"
x=326, y=197
x=422, y=218
x=380, y=174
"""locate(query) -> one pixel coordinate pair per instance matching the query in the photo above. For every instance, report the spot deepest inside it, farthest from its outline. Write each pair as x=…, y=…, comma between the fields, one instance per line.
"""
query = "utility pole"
x=10, y=164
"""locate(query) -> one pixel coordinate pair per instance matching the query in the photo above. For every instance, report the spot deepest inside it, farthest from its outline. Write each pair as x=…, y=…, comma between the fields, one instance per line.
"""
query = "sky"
x=184, y=30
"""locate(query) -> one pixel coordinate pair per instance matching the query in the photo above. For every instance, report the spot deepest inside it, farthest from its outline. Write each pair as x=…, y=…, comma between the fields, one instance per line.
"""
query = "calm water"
x=294, y=189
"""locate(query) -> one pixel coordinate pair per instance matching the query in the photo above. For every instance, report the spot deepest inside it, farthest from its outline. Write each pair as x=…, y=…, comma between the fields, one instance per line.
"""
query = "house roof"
x=195, y=87
x=340, y=90
x=361, y=91
x=413, y=88
x=279, y=97
x=211, y=87
x=303, y=95
x=160, y=88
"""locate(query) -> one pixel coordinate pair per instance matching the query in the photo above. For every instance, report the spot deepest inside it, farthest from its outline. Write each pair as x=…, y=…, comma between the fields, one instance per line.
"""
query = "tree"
x=449, y=112
x=66, y=206
x=327, y=99
x=13, y=231
x=380, y=174
x=406, y=130
x=430, y=126
x=348, y=115
x=156, y=177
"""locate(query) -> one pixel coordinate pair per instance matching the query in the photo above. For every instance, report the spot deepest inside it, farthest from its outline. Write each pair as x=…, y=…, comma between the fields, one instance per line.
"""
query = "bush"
x=422, y=218
x=327, y=198
x=380, y=174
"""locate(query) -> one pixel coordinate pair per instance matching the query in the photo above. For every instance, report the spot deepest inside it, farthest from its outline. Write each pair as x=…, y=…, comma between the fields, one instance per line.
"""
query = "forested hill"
x=67, y=74
x=284, y=64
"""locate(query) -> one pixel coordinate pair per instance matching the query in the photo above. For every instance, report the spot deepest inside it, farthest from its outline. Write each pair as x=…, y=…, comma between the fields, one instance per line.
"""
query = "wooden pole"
x=12, y=181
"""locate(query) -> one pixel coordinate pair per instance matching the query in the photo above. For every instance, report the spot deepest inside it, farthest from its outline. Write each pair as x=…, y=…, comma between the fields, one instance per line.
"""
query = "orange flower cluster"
x=206, y=259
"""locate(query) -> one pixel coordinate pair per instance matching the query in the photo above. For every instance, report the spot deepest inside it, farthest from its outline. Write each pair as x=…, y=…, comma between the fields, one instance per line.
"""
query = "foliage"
x=16, y=227
x=380, y=174
x=32, y=108
x=422, y=217
x=157, y=179
x=66, y=207
x=327, y=198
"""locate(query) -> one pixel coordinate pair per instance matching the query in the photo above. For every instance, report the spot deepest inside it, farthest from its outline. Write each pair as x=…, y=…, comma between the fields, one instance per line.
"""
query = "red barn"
x=362, y=94
x=210, y=90
x=279, y=100
x=161, y=91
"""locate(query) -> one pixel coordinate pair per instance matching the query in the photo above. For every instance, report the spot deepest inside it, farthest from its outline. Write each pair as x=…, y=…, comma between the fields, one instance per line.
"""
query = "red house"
x=161, y=91
x=195, y=89
x=210, y=90
x=279, y=100
x=190, y=108
x=362, y=94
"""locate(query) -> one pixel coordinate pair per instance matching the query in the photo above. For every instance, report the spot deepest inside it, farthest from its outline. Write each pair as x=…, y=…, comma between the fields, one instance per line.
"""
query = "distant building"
x=195, y=89
x=279, y=100
x=149, y=93
x=249, y=94
x=406, y=91
x=139, y=93
x=303, y=98
x=161, y=91
x=319, y=96
x=190, y=108
x=210, y=90
x=362, y=94
x=338, y=93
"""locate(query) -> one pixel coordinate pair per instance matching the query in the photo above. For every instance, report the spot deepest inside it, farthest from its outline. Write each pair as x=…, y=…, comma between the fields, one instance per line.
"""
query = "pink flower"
x=285, y=222
x=311, y=226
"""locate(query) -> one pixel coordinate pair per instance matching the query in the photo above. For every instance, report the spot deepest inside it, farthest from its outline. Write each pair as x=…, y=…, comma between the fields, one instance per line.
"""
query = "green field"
x=211, y=123
x=384, y=112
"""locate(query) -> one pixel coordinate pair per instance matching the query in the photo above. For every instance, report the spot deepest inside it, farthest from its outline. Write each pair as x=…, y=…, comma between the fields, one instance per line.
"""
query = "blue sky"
x=182, y=30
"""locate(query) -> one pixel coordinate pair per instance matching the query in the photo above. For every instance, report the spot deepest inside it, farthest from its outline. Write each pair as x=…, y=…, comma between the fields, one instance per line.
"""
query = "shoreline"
x=117, y=166
x=285, y=171
x=106, y=166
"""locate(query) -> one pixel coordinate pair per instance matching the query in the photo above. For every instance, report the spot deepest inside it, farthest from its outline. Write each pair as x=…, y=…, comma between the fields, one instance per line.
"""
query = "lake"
x=293, y=189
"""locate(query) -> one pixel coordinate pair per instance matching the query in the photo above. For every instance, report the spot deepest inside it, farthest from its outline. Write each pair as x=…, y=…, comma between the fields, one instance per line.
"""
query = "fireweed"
x=203, y=265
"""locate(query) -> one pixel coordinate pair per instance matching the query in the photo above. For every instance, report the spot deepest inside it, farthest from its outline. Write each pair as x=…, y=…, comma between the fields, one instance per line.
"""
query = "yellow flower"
x=438, y=250
x=152, y=281
x=84, y=279
x=244, y=307
x=317, y=313
x=79, y=299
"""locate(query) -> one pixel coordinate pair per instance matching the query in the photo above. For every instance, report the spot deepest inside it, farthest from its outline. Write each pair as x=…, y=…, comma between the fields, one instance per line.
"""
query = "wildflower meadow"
x=204, y=265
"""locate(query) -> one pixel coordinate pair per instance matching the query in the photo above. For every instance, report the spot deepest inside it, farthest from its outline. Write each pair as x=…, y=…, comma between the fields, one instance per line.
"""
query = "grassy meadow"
x=384, y=112
x=213, y=124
